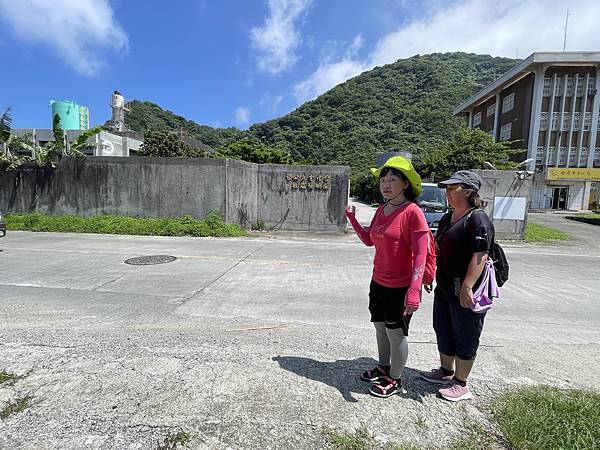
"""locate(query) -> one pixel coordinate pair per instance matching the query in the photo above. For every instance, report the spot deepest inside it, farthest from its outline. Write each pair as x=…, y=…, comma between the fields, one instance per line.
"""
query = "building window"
x=570, y=84
x=555, y=117
x=562, y=157
x=551, y=156
x=508, y=103
x=597, y=157
x=491, y=110
x=583, y=156
x=558, y=87
x=540, y=156
x=547, y=86
x=505, y=132
x=544, y=121
x=477, y=119
x=591, y=83
x=572, y=156
x=587, y=119
x=566, y=121
x=576, y=121
x=581, y=86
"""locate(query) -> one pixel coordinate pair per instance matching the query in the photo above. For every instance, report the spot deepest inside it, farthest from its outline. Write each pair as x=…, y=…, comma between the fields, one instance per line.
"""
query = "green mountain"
x=406, y=105
x=150, y=116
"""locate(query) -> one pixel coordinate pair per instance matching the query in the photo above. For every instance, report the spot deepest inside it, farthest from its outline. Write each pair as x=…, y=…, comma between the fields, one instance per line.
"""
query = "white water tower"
x=117, y=104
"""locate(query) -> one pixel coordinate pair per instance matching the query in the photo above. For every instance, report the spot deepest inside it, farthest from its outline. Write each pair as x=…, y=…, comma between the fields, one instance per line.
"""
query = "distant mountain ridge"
x=406, y=105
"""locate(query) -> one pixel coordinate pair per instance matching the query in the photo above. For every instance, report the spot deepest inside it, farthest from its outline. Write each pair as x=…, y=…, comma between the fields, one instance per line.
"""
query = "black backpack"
x=496, y=254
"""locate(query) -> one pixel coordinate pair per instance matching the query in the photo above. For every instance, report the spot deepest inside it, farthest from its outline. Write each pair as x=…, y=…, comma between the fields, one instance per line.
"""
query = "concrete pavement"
x=256, y=343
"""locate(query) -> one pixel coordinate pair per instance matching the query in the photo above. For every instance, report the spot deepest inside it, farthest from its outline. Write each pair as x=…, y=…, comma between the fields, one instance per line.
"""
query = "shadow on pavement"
x=344, y=375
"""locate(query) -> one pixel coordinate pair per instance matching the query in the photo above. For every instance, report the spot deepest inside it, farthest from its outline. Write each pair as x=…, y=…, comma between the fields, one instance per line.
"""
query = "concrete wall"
x=269, y=195
x=505, y=183
x=308, y=198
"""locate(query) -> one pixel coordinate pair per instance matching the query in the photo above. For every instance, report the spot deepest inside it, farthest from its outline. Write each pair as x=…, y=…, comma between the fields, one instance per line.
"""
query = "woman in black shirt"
x=464, y=238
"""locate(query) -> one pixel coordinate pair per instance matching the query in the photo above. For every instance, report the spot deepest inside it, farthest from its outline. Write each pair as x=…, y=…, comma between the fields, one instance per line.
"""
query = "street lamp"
x=524, y=163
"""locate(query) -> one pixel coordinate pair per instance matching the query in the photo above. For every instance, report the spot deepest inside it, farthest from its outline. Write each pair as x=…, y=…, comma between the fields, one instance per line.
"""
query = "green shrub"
x=213, y=225
x=365, y=187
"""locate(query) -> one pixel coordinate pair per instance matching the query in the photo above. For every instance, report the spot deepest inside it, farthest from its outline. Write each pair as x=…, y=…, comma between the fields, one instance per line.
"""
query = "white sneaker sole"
x=466, y=396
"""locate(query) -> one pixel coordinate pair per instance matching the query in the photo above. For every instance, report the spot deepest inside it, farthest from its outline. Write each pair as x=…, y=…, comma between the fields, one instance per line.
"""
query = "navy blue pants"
x=457, y=329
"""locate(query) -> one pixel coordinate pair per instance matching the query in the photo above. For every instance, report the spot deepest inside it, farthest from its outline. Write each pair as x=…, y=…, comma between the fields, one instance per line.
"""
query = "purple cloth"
x=487, y=290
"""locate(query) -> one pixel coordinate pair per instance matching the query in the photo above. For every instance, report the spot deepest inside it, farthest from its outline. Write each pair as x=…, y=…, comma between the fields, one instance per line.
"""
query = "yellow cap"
x=403, y=165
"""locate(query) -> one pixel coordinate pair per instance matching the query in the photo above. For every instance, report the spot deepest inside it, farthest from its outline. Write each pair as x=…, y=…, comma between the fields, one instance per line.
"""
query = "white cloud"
x=331, y=73
x=327, y=76
x=478, y=26
x=269, y=102
x=242, y=115
x=277, y=40
x=354, y=48
x=496, y=28
x=77, y=30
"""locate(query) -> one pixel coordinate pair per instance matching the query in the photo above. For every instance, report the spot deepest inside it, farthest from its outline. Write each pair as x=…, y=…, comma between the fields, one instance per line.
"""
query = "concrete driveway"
x=256, y=343
x=582, y=234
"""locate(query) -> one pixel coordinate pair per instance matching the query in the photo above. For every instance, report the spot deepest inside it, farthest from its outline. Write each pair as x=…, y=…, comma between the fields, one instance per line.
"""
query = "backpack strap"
x=470, y=213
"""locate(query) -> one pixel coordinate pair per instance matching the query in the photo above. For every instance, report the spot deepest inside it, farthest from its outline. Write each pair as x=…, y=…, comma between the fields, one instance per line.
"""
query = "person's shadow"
x=344, y=375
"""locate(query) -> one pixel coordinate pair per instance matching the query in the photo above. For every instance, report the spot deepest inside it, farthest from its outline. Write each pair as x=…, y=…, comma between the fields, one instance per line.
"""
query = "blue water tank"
x=72, y=116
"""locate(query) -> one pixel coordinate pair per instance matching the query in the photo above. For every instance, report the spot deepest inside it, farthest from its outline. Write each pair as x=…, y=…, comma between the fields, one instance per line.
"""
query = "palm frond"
x=5, y=126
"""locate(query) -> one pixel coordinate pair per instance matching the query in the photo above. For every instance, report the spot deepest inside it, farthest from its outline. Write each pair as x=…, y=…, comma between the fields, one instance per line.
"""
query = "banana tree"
x=75, y=148
x=9, y=160
x=5, y=126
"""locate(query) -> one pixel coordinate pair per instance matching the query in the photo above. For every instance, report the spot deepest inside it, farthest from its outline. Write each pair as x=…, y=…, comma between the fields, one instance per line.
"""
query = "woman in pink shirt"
x=400, y=235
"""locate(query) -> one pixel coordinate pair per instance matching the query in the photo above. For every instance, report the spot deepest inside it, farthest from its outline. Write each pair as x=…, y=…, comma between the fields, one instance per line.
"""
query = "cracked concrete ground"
x=256, y=343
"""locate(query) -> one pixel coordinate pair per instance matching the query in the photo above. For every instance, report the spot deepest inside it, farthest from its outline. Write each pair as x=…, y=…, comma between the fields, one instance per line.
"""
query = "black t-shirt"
x=458, y=241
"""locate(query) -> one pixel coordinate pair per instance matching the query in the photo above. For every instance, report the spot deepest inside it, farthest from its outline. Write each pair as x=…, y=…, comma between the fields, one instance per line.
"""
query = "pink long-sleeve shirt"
x=400, y=241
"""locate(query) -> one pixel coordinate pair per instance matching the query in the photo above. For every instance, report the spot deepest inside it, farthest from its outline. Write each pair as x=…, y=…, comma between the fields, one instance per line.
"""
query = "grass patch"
x=16, y=406
x=549, y=418
x=172, y=441
x=588, y=215
x=361, y=439
x=591, y=218
x=213, y=225
x=540, y=233
x=474, y=437
x=8, y=378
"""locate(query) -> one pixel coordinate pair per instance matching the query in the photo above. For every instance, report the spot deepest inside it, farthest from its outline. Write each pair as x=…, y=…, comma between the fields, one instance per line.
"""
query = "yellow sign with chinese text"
x=573, y=173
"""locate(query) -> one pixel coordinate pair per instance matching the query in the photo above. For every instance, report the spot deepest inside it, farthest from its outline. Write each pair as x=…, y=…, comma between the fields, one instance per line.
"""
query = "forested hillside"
x=406, y=105
x=150, y=116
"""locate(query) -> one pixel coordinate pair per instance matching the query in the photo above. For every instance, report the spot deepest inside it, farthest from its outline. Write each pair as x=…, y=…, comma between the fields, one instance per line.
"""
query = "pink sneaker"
x=436, y=376
x=455, y=392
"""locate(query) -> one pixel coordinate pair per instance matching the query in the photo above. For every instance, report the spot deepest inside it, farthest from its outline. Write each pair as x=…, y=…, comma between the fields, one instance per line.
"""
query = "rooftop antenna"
x=566, y=25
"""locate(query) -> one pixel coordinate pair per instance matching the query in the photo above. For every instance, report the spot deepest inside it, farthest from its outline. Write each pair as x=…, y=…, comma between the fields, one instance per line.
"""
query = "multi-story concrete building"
x=548, y=106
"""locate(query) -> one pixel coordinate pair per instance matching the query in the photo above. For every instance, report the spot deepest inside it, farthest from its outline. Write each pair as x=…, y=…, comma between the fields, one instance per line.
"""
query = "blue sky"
x=238, y=62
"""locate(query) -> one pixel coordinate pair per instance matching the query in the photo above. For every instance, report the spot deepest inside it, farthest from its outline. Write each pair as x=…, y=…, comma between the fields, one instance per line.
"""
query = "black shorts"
x=387, y=305
x=457, y=329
